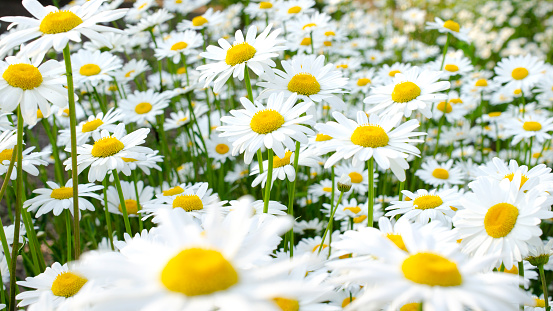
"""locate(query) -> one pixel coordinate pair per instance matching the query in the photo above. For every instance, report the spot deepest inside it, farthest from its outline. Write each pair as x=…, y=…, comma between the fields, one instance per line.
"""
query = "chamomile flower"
x=322, y=188
x=150, y=21
x=450, y=27
x=275, y=208
x=141, y=107
x=438, y=174
x=179, y=43
x=210, y=19
x=218, y=148
x=253, y=52
x=454, y=64
x=362, y=80
x=29, y=163
x=358, y=174
x=519, y=72
x=132, y=69
x=387, y=72
x=94, y=123
x=289, y=9
x=132, y=203
x=532, y=125
x=145, y=164
x=424, y=206
x=94, y=67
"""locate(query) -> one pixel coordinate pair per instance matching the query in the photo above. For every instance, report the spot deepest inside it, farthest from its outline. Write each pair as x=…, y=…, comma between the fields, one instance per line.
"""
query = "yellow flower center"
x=181, y=70
x=178, y=1
x=197, y=271
x=451, y=68
x=531, y=126
x=265, y=5
x=327, y=43
x=131, y=206
x=517, y=91
x=359, y=219
x=519, y=73
x=322, y=137
x=309, y=25
x=327, y=189
x=266, y=121
x=370, y=136
x=363, y=81
x=239, y=53
x=316, y=248
x=199, y=21
x=221, y=148
x=39, y=114
x=128, y=74
x=278, y=162
x=330, y=33
x=62, y=193
x=58, y=22
x=481, y=82
x=347, y=301
x=397, y=240
x=431, y=269
x=500, y=219
x=353, y=209
x=494, y=114
x=304, y=84
x=440, y=173
x=6, y=154
x=523, y=179
x=393, y=73
x=143, y=108
x=67, y=284
x=188, y=202
x=89, y=70
x=444, y=107
x=23, y=76
x=451, y=25
x=456, y=101
x=305, y=41
x=405, y=92
x=355, y=177
x=173, y=191
x=413, y=306
x=294, y=10
x=91, y=125
x=179, y=46
x=428, y=201
x=286, y=304
x=106, y=147
x=513, y=270
x=540, y=303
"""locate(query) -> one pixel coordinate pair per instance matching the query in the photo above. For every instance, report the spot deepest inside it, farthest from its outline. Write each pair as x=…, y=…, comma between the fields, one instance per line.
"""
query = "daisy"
x=362, y=80
x=210, y=19
x=387, y=72
x=454, y=64
x=142, y=107
x=131, y=70
x=308, y=78
x=449, y=27
x=358, y=174
x=94, y=67
x=438, y=174
x=287, y=10
x=183, y=7
x=58, y=198
x=218, y=148
x=150, y=21
x=32, y=86
x=370, y=137
x=179, y=43
x=305, y=23
x=448, y=109
x=413, y=90
x=261, y=9
x=498, y=219
x=531, y=125
x=133, y=205
x=138, y=10
x=30, y=159
x=145, y=164
x=315, y=225
x=322, y=189
x=108, y=152
x=54, y=28
x=253, y=52
x=349, y=209
x=94, y=124
x=275, y=126
x=519, y=72
x=275, y=208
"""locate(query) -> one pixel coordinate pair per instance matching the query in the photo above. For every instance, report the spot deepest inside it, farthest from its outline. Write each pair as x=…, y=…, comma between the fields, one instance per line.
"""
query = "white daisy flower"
x=131, y=70
x=387, y=72
x=519, y=72
x=179, y=43
x=358, y=174
x=142, y=107
x=218, y=148
x=30, y=159
x=94, y=123
x=454, y=64
x=438, y=174
x=210, y=19
x=450, y=27
x=145, y=164
x=275, y=207
x=94, y=67
x=531, y=125
x=133, y=205
x=290, y=9
x=150, y=21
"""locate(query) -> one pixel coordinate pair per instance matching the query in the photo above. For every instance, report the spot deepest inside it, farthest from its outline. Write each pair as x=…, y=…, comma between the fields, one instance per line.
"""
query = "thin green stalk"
x=440, y=124
x=333, y=207
x=267, y=196
x=371, y=192
x=108, y=216
x=292, y=193
x=248, y=83
x=2, y=191
x=68, y=226
x=521, y=271
x=446, y=46
x=135, y=179
x=55, y=153
x=401, y=187
x=122, y=202
x=544, y=287
x=260, y=160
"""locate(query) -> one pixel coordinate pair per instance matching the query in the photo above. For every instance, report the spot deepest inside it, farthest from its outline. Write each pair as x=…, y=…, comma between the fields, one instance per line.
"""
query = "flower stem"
x=544, y=287
x=292, y=193
x=401, y=187
x=2, y=191
x=122, y=202
x=333, y=207
x=446, y=46
x=68, y=226
x=371, y=192
x=269, y=181
x=108, y=216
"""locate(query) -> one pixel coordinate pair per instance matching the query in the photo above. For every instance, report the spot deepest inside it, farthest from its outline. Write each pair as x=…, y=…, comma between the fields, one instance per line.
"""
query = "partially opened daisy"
x=416, y=89
x=379, y=137
x=519, y=72
x=253, y=52
x=450, y=27
x=276, y=126
x=54, y=28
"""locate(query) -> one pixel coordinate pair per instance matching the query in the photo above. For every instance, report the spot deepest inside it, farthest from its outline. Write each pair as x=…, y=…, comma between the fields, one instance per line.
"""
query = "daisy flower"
x=253, y=52
x=58, y=198
x=454, y=64
x=448, y=109
x=362, y=80
x=370, y=137
x=131, y=70
x=108, y=152
x=275, y=126
x=305, y=23
x=351, y=209
x=259, y=9
x=150, y=21
x=290, y=9
x=413, y=90
x=499, y=218
x=31, y=85
x=531, y=125
x=323, y=189
x=358, y=174
x=308, y=78
x=141, y=107
x=30, y=159
x=218, y=148
x=145, y=164
x=386, y=73
x=315, y=225
x=133, y=205
x=438, y=174
x=179, y=43
x=519, y=72
x=450, y=27
x=210, y=19
x=94, y=123
x=54, y=28
x=275, y=208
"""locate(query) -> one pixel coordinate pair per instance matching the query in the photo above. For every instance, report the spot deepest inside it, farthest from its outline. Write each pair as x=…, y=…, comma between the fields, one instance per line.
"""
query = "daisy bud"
x=538, y=260
x=344, y=184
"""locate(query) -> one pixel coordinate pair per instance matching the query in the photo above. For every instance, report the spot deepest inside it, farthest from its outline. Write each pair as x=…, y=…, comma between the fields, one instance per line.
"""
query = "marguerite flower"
x=141, y=107
x=438, y=174
x=133, y=204
x=450, y=27
x=519, y=72
x=531, y=125
x=179, y=43
x=94, y=67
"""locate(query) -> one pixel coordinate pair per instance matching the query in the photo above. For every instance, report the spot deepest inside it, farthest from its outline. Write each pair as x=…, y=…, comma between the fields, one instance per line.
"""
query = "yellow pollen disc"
x=456, y=101
x=393, y=73
x=519, y=73
x=304, y=84
x=132, y=207
x=413, y=306
x=197, y=271
x=531, y=126
x=286, y=304
x=451, y=68
x=330, y=33
x=183, y=119
x=265, y=5
x=278, y=162
x=309, y=25
x=431, y=269
x=327, y=189
x=428, y=201
x=221, y=148
x=322, y=137
x=128, y=74
x=523, y=179
x=540, y=303
x=481, y=82
x=143, y=108
x=142, y=6
x=353, y=209
x=67, y=284
x=62, y=193
x=294, y=10
x=405, y=92
x=305, y=41
x=342, y=66
x=327, y=43
x=359, y=219
x=445, y=107
x=397, y=240
x=370, y=136
x=451, y=25
x=440, y=173
x=355, y=177
x=39, y=114
x=239, y=53
x=500, y=219
x=181, y=70
x=106, y=147
x=199, y=21
x=178, y=1
x=128, y=160
x=188, y=202
x=58, y=22
x=6, y=154
x=513, y=270
x=91, y=125
x=89, y=70
x=494, y=114
x=179, y=46
x=112, y=87
x=316, y=248
x=173, y=191
x=347, y=301
x=363, y=81
x=266, y=121
x=23, y=76
x=517, y=91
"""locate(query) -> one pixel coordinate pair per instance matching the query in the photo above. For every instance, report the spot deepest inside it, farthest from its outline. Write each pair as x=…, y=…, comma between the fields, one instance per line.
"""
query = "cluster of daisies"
x=286, y=155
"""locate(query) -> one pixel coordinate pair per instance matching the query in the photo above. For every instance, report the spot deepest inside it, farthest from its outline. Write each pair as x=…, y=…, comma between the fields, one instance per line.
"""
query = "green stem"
x=68, y=226
x=55, y=153
x=269, y=181
x=544, y=287
x=260, y=160
x=248, y=83
x=371, y=192
x=135, y=179
x=2, y=191
x=446, y=46
x=108, y=216
x=292, y=193
x=122, y=202
x=401, y=187
x=333, y=207
x=440, y=124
